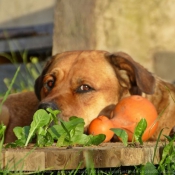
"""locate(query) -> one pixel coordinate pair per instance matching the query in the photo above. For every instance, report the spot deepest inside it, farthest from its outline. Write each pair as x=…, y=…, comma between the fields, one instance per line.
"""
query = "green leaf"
x=21, y=132
x=53, y=114
x=2, y=133
x=2, y=130
x=61, y=141
x=96, y=140
x=122, y=134
x=40, y=119
x=139, y=130
x=57, y=130
x=81, y=139
x=44, y=140
x=77, y=133
x=167, y=151
x=72, y=133
x=67, y=133
x=148, y=169
x=66, y=130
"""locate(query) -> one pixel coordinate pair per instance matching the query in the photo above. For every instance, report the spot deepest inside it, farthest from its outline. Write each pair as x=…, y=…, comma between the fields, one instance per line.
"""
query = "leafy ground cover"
x=68, y=133
x=46, y=129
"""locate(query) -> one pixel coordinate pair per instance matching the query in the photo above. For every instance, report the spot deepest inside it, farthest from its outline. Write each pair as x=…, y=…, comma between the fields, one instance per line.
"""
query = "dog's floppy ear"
x=132, y=74
x=39, y=81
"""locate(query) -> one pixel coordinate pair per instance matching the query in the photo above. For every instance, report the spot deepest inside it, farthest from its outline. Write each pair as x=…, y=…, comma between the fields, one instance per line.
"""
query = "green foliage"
x=65, y=133
x=122, y=134
x=2, y=133
x=146, y=169
x=40, y=119
x=139, y=131
x=167, y=163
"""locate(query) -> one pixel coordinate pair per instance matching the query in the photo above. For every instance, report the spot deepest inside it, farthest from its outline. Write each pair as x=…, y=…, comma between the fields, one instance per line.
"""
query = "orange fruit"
x=101, y=125
x=130, y=110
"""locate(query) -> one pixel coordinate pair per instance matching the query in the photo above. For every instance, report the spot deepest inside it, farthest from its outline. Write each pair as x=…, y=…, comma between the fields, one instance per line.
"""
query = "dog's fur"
x=88, y=84
x=18, y=110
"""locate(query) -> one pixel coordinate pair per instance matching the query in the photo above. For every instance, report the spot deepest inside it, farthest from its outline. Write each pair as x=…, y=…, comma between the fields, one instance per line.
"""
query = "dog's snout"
x=45, y=105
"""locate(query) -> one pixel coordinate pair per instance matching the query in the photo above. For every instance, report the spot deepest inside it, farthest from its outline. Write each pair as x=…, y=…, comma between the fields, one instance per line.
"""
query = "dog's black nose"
x=45, y=105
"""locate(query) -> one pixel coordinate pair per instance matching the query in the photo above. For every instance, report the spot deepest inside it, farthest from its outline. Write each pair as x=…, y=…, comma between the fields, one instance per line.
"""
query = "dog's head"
x=87, y=84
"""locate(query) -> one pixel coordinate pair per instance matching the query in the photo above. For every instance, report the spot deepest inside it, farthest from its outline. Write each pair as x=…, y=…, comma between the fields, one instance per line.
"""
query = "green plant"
x=64, y=133
x=167, y=163
x=138, y=133
x=122, y=134
x=2, y=133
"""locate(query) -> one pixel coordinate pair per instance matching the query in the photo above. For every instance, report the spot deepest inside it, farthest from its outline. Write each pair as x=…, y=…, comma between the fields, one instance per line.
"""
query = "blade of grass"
x=156, y=146
x=170, y=93
x=9, y=89
x=22, y=160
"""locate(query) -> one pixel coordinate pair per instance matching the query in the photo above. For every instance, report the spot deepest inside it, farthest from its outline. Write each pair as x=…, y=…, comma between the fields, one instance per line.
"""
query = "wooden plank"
x=17, y=160
x=59, y=159
x=104, y=156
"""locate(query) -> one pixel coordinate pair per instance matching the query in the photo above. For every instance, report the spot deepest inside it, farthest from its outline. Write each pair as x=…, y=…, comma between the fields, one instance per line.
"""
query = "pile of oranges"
x=126, y=115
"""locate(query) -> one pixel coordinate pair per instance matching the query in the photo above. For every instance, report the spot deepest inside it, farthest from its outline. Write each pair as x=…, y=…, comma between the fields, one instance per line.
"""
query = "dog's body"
x=90, y=83
x=18, y=110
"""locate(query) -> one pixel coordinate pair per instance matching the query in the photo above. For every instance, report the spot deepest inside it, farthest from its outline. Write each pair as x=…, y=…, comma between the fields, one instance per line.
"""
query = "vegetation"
x=64, y=134
x=71, y=133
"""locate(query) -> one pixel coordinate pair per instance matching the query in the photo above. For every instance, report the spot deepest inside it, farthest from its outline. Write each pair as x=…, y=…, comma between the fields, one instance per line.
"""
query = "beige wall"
x=18, y=13
x=140, y=29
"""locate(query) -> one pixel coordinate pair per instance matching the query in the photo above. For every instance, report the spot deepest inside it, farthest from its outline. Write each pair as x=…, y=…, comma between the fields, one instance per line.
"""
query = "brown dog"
x=90, y=83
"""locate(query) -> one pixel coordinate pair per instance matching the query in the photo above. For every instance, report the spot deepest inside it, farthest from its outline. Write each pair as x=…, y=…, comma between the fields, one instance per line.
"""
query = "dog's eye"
x=49, y=84
x=84, y=88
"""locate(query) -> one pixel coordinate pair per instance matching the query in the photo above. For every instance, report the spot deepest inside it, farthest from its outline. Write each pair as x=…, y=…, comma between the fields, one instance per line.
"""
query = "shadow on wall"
x=45, y=14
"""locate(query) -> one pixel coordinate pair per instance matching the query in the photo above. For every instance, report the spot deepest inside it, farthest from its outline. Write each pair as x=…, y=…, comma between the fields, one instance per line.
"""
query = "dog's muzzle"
x=45, y=105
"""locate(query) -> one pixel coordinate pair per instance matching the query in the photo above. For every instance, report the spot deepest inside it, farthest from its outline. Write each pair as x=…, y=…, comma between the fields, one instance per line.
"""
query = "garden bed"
x=58, y=158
